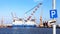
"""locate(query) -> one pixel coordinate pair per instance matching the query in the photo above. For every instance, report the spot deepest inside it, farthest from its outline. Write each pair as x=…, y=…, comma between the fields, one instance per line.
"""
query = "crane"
x=35, y=9
x=14, y=16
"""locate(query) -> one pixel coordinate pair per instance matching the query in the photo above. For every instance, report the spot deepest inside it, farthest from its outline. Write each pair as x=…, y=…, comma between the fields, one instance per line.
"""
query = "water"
x=24, y=30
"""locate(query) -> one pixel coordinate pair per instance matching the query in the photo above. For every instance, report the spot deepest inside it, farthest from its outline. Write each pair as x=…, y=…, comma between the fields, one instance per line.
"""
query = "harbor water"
x=28, y=30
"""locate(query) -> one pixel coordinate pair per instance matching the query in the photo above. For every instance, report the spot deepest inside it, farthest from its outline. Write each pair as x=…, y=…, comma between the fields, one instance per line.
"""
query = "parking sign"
x=53, y=13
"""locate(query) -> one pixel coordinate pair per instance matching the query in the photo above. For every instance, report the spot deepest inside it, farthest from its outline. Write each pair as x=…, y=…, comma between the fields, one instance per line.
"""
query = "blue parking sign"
x=53, y=13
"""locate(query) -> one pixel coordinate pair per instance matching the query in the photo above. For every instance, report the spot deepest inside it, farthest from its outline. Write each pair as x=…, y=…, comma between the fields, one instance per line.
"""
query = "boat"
x=25, y=23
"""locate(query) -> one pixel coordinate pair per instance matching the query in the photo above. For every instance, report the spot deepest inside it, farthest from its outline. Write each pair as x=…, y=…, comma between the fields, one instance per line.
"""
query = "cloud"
x=38, y=0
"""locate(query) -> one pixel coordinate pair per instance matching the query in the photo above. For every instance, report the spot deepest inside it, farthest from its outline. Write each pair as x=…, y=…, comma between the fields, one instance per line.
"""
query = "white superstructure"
x=30, y=22
x=17, y=21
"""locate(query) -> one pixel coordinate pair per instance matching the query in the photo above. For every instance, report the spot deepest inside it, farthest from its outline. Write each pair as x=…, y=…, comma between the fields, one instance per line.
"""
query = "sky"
x=19, y=7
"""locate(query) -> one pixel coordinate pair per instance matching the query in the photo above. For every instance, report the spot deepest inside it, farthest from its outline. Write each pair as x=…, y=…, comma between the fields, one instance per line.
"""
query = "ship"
x=23, y=23
x=29, y=22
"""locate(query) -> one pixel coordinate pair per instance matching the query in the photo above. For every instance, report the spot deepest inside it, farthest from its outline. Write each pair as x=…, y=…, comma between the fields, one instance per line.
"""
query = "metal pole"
x=54, y=28
x=54, y=7
x=53, y=4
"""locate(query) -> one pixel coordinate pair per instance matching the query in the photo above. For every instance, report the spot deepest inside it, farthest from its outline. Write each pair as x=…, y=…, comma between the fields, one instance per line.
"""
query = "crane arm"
x=36, y=8
x=33, y=8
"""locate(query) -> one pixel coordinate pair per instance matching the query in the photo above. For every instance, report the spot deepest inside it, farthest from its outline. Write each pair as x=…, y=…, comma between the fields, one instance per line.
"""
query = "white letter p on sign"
x=53, y=13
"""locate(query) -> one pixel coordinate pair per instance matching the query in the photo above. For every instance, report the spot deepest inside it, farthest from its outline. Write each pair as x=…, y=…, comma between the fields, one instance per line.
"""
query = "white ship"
x=21, y=22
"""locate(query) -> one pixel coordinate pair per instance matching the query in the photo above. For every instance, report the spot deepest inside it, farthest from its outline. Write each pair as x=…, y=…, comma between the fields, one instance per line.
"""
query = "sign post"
x=53, y=14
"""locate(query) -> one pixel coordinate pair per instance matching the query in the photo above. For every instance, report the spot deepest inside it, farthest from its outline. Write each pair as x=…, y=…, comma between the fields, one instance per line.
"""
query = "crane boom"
x=36, y=8
x=32, y=8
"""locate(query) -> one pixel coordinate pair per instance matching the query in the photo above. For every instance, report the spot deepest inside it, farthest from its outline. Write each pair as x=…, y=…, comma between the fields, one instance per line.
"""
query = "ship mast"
x=2, y=25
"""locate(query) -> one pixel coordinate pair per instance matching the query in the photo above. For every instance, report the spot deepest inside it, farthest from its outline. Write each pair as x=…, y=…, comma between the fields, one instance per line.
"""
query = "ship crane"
x=35, y=9
x=13, y=15
x=41, y=23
